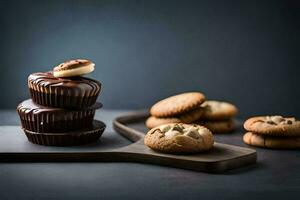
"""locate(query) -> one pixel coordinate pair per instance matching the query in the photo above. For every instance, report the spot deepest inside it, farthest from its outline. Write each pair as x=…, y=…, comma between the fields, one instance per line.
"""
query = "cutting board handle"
x=119, y=124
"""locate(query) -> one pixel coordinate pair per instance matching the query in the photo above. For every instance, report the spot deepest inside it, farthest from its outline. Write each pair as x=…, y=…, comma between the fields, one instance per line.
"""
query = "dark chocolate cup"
x=70, y=93
x=41, y=119
x=70, y=138
x=62, y=101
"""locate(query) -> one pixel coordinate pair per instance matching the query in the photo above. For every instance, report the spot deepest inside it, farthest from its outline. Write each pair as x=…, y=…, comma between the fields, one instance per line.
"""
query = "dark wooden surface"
x=14, y=147
x=275, y=176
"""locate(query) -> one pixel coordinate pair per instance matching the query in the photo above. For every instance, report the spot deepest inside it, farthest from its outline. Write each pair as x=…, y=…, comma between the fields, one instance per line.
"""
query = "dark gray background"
x=246, y=52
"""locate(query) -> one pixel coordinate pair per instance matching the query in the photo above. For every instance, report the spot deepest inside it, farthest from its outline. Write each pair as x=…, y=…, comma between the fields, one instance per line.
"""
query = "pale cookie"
x=187, y=117
x=179, y=138
x=73, y=68
x=273, y=125
x=218, y=110
x=274, y=142
x=178, y=104
x=222, y=126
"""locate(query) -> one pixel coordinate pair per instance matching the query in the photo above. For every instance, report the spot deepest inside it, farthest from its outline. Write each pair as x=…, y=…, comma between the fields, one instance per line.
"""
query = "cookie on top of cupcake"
x=64, y=87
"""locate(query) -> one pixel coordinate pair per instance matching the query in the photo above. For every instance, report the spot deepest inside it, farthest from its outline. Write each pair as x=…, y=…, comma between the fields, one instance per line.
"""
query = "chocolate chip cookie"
x=187, y=117
x=221, y=126
x=273, y=125
x=274, y=142
x=218, y=110
x=179, y=138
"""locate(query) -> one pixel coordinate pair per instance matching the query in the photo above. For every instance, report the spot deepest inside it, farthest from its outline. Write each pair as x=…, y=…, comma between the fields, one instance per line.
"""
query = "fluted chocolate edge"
x=62, y=100
x=44, y=122
x=54, y=92
x=65, y=139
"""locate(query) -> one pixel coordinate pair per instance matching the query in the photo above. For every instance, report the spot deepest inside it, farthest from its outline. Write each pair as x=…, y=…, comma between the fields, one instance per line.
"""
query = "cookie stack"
x=273, y=132
x=62, y=106
x=191, y=107
x=218, y=116
x=182, y=108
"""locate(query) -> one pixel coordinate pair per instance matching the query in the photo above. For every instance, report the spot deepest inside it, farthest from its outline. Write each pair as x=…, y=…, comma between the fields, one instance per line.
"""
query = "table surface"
x=274, y=176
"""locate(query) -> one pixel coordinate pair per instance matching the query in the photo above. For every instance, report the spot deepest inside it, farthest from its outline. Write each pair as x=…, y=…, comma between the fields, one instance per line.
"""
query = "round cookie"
x=273, y=125
x=179, y=138
x=223, y=126
x=271, y=141
x=73, y=68
x=187, y=118
x=177, y=104
x=218, y=110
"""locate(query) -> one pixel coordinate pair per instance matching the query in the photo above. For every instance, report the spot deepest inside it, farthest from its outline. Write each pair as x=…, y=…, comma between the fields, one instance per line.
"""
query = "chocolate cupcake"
x=42, y=119
x=69, y=92
x=76, y=137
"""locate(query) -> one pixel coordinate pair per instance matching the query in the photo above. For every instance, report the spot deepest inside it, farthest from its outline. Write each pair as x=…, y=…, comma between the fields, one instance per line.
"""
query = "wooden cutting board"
x=14, y=147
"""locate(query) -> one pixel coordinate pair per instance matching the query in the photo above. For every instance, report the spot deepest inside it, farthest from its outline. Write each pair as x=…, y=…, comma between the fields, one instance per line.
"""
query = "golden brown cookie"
x=274, y=142
x=177, y=104
x=273, y=125
x=73, y=68
x=187, y=117
x=179, y=138
x=218, y=110
x=222, y=126
x=153, y=122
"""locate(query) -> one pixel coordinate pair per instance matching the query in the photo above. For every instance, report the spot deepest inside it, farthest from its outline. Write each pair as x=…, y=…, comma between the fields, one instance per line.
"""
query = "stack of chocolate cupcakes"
x=62, y=106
